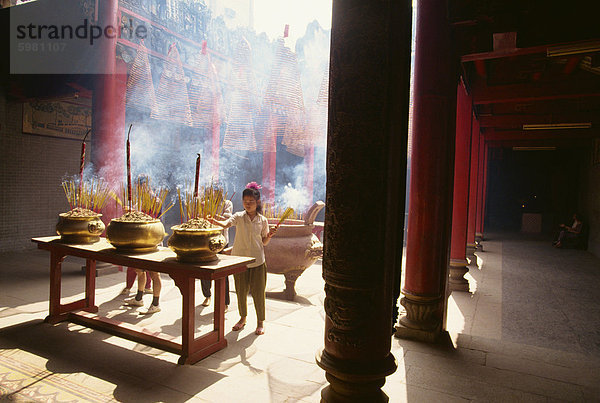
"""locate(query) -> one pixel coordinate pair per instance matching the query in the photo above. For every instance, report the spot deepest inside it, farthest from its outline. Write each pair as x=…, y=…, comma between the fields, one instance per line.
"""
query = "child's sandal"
x=238, y=326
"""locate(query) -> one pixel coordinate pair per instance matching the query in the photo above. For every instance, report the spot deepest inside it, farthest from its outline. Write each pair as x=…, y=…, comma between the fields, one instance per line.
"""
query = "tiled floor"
x=528, y=331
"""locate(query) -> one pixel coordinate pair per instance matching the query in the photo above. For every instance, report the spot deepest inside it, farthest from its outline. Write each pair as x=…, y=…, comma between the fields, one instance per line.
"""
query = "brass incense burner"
x=196, y=245
x=79, y=230
x=135, y=236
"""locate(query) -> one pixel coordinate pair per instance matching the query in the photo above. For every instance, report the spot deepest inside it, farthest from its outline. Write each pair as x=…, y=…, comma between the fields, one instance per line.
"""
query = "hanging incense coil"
x=204, y=95
x=284, y=98
x=172, y=101
x=317, y=115
x=140, y=88
x=240, y=133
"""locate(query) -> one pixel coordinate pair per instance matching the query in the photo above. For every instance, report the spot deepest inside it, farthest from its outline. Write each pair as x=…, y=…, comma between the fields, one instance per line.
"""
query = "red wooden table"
x=191, y=349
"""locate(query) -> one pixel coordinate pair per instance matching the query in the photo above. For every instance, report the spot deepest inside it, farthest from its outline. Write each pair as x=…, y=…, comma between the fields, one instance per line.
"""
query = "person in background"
x=252, y=234
x=568, y=233
x=227, y=212
x=156, y=287
x=142, y=276
x=129, y=280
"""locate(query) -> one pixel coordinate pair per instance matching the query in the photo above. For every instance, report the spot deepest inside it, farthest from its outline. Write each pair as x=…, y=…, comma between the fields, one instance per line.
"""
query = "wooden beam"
x=498, y=54
x=548, y=107
x=559, y=143
x=483, y=94
x=493, y=135
x=518, y=120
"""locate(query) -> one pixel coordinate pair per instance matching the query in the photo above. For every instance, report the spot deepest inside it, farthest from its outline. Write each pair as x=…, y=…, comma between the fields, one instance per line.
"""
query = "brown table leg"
x=207, y=344
x=56, y=260
x=58, y=311
x=194, y=349
x=187, y=287
x=90, y=286
x=219, y=314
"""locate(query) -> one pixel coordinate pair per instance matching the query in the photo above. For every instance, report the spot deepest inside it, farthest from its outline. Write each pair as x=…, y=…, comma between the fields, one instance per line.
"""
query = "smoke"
x=165, y=143
x=294, y=194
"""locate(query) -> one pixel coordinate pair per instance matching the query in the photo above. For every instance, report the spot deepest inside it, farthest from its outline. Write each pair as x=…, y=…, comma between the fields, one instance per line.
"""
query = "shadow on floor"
x=82, y=351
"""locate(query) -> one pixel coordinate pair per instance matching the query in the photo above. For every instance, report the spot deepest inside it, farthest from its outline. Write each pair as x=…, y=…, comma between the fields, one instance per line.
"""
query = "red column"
x=432, y=163
x=471, y=246
x=108, y=110
x=482, y=196
x=216, y=141
x=270, y=161
x=460, y=206
x=309, y=167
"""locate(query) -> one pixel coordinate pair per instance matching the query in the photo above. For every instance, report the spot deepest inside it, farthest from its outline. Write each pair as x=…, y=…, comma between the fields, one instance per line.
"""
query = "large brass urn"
x=194, y=244
x=79, y=228
x=135, y=232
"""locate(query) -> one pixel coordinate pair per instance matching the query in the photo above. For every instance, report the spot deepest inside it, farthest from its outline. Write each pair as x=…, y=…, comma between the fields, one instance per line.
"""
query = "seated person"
x=569, y=233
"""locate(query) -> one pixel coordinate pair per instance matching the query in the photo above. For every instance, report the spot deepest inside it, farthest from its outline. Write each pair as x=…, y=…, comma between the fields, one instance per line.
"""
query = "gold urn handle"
x=217, y=243
x=96, y=228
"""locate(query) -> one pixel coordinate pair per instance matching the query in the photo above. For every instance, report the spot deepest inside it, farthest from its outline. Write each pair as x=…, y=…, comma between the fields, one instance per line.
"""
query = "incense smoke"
x=167, y=132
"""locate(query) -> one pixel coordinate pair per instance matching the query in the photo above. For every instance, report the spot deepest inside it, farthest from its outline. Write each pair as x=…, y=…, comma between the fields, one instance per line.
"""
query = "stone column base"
x=479, y=241
x=429, y=336
x=351, y=381
x=471, y=249
x=470, y=253
x=458, y=269
x=420, y=322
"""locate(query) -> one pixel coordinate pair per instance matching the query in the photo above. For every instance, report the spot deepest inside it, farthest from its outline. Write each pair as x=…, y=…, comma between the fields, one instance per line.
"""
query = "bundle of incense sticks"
x=145, y=199
x=288, y=212
x=209, y=202
x=271, y=211
x=91, y=195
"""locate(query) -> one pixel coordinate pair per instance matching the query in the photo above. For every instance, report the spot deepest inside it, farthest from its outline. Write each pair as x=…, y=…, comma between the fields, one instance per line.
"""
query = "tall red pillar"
x=309, y=168
x=460, y=206
x=473, y=177
x=432, y=166
x=270, y=160
x=108, y=109
x=216, y=141
x=482, y=192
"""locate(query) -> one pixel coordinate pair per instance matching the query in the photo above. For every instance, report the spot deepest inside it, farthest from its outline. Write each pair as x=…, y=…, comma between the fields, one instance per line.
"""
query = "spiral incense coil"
x=204, y=96
x=317, y=114
x=172, y=103
x=284, y=98
x=323, y=97
x=140, y=89
x=284, y=91
x=243, y=103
